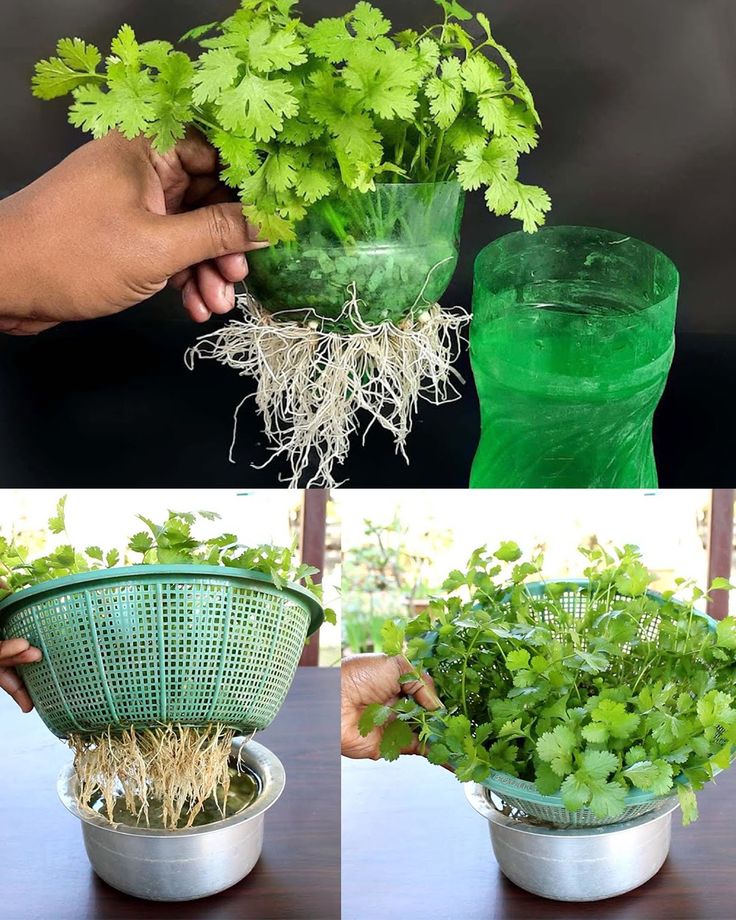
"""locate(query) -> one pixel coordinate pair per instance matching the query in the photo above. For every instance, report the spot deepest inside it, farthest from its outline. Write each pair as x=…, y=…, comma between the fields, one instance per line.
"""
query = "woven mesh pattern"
x=192, y=650
x=523, y=795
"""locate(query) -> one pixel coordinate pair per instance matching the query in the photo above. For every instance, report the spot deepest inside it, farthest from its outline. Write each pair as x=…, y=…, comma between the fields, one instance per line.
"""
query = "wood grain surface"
x=44, y=871
x=413, y=847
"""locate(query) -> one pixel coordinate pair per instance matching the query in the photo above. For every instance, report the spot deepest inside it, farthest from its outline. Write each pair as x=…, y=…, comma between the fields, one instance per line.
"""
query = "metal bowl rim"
x=256, y=756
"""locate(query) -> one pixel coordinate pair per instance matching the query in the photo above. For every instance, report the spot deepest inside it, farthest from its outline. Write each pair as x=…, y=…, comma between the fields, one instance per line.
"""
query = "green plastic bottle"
x=571, y=343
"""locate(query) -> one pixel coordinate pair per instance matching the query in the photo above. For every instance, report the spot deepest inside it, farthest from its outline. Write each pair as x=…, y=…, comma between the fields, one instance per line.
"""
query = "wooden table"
x=44, y=871
x=413, y=847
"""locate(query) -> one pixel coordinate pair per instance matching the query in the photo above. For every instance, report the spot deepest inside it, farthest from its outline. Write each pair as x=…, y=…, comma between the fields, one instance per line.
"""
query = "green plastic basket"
x=522, y=795
x=140, y=646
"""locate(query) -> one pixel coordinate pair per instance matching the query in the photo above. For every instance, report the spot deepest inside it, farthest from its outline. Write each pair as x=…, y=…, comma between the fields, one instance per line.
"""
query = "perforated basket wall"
x=193, y=645
x=522, y=795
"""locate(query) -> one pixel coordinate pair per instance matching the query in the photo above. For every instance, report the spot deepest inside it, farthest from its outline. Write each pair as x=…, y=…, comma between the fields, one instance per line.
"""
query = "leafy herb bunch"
x=622, y=689
x=299, y=112
x=170, y=543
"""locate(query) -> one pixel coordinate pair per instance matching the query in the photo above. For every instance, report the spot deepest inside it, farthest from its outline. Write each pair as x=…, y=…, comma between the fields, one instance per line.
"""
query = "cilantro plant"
x=632, y=691
x=172, y=542
x=301, y=112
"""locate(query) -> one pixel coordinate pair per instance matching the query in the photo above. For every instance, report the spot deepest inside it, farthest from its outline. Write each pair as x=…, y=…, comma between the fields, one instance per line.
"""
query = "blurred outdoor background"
x=400, y=546
x=108, y=519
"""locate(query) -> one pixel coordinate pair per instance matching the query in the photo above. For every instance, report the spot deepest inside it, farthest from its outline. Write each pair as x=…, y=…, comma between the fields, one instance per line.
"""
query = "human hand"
x=370, y=679
x=111, y=225
x=14, y=652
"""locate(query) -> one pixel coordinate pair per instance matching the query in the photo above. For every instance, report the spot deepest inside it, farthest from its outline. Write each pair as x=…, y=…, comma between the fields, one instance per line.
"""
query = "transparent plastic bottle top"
x=571, y=343
x=398, y=244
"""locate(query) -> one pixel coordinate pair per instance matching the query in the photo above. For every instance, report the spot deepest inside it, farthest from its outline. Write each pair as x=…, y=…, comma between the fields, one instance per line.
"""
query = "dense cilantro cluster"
x=299, y=112
x=169, y=543
x=634, y=693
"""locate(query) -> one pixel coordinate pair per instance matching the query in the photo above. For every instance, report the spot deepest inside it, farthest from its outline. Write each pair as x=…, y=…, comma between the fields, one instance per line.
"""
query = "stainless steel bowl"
x=163, y=865
x=576, y=864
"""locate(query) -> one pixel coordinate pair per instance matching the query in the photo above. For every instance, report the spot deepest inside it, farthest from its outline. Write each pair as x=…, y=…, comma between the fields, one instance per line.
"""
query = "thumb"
x=204, y=234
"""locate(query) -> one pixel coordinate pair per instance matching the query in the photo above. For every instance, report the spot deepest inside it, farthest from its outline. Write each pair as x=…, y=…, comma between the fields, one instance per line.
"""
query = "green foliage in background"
x=300, y=112
x=383, y=577
x=636, y=694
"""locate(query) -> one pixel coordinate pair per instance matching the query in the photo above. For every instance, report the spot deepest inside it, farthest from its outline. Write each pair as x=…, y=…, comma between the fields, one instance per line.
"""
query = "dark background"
x=638, y=99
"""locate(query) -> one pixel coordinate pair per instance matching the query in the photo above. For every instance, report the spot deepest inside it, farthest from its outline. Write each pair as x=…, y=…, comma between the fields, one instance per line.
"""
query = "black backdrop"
x=638, y=99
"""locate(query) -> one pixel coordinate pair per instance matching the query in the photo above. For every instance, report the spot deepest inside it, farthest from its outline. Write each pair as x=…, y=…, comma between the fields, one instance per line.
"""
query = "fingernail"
x=435, y=700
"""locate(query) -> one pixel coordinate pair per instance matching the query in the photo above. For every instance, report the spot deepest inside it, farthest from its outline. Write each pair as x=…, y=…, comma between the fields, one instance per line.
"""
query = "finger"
x=218, y=294
x=203, y=235
x=27, y=657
x=205, y=190
x=233, y=268
x=11, y=647
x=196, y=155
x=194, y=302
x=423, y=691
x=180, y=279
x=12, y=684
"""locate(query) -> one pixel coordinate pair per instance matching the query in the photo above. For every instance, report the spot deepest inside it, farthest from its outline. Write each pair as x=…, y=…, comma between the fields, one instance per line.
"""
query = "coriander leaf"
x=141, y=543
x=57, y=523
x=614, y=718
x=374, y=715
x=556, y=747
x=546, y=780
x=607, y=800
x=279, y=50
x=721, y=584
x=650, y=776
x=385, y=83
x=392, y=637
x=575, y=793
x=76, y=65
x=369, y=22
x=481, y=76
x=726, y=633
x=281, y=170
x=396, y=737
x=94, y=552
x=330, y=39
x=216, y=72
x=125, y=47
x=598, y=765
x=635, y=578
x=453, y=8
x=257, y=107
x=508, y=552
x=517, y=660
x=239, y=156
x=438, y=754
x=315, y=184
x=445, y=93
x=532, y=203
x=688, y=803
x=493, y=113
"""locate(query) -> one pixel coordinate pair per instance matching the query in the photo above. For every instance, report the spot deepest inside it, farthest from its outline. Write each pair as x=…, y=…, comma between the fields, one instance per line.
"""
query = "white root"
x=178, y=766
x=312, y=383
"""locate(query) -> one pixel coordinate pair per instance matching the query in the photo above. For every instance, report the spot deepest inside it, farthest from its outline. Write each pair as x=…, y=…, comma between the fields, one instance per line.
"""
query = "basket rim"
x=142, y=571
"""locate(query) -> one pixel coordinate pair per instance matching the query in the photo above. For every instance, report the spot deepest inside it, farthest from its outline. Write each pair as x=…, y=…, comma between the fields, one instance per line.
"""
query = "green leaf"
x=453, y=8
x=438, y=754
x=726, y=633
x=722, y=584
x=392, y=637
x=445, y=93
x=607, y=800
x=556, y=747
x=216, y=72
x=257, y=107
x=614, y=719
x=94, y=552
x=598, y=765
x=125, y=47
x=369, y=22
x=57, y=523
x=508, y=552
x=385, y=82
x=330, y=39
x=374, y=715
x=274, y=50
x=635, y=578
x=546, y=780
x=575, y=793
x=688, y=803
x=141, y=543
x=493, y=114
x=397, y=736
x=517, y=660
x=651, y=776
x=532, y=203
